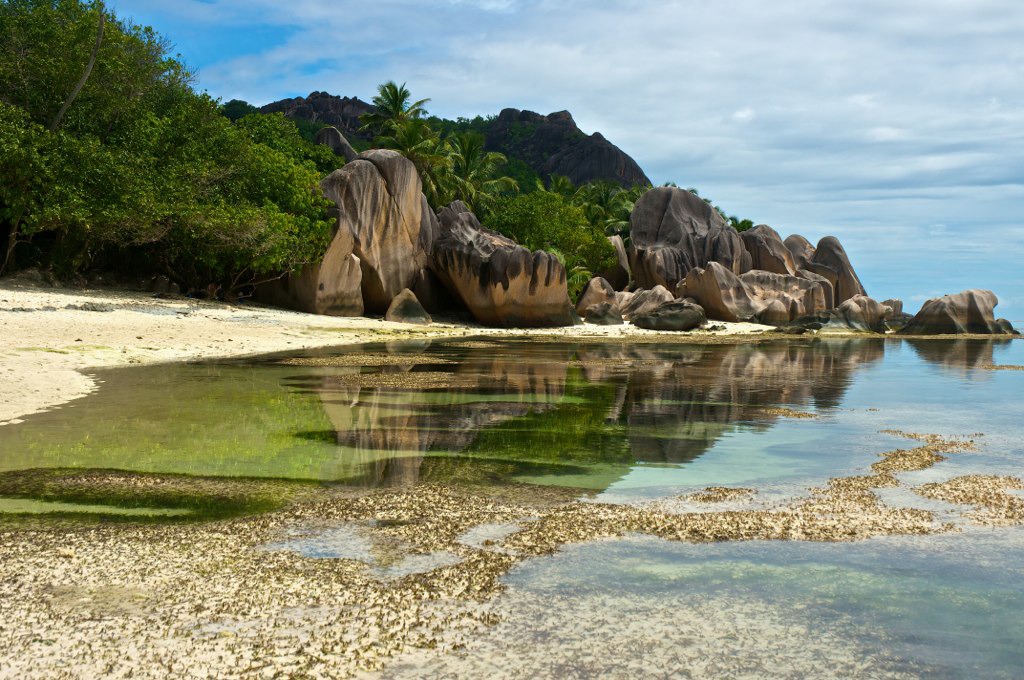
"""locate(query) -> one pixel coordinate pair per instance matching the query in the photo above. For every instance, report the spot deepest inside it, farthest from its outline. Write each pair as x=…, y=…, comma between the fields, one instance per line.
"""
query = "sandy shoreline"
x=49, y=336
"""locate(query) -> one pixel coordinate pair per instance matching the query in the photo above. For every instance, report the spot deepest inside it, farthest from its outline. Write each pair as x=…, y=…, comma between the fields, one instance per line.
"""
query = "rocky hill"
x=551, y=144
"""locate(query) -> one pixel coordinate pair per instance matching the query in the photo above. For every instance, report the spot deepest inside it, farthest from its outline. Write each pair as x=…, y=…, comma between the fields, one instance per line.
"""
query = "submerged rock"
x=677, y=315
x=971, y=311
x=499, y=281
x=405, y=308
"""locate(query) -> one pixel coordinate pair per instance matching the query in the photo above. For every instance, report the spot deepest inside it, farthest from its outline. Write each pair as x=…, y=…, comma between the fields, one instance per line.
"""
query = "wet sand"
x=237, y=598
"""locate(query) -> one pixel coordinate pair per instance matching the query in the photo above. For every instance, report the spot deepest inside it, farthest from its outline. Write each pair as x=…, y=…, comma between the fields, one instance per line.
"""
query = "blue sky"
x=897, y=126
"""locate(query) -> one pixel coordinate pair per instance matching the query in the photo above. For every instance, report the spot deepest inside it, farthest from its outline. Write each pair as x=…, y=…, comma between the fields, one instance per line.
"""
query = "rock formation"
x=502, y=283
x=830, y=261
x=674, y=231
x=767, y=251
x=554, y=144
x=382, y=209
x=332, y=137
x=642, y=301
x=972, y=311
x=597, y=290
x=604, y=314
x=677, y=315
x=321, y=107
x=405, y=308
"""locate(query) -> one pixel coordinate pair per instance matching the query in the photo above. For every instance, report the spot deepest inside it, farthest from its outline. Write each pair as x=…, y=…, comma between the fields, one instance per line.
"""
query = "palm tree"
x=475, y=172
x=417, y=141
x=394, y=107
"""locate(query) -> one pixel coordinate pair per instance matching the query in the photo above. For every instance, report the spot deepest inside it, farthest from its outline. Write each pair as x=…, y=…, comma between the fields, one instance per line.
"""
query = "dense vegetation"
x=110, y=160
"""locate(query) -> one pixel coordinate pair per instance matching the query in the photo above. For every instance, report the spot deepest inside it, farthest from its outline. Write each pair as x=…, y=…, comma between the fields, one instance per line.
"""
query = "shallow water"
x=620, y=423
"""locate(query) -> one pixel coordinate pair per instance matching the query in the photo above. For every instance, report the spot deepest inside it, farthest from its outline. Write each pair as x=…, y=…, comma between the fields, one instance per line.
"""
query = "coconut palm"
x=394, y=107
x=417, y=141
x=475, y=172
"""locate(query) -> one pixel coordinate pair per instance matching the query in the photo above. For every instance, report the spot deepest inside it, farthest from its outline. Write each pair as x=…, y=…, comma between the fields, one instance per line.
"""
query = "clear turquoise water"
x=628, y=422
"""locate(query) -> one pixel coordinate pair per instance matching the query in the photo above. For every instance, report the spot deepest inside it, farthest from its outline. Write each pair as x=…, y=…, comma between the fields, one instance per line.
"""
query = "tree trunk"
x=85, y=75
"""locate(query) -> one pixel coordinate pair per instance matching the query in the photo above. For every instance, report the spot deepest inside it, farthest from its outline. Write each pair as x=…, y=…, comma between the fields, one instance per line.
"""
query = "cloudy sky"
x=896, y=125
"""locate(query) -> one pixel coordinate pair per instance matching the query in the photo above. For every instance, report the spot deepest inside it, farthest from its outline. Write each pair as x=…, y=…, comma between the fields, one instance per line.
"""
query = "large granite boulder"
x=642, y=301
x=972, y=311
x=767, y=251
x=677, y=315
x=756, y=295
x=830, y=261
x=721, y=293
x=800, y=296
x=499, y=281
x=800, y=249
x=604, y=314
x=597, y=290
x=405, y=308
x=332, y=137
x=673, y=231
x=383, y=213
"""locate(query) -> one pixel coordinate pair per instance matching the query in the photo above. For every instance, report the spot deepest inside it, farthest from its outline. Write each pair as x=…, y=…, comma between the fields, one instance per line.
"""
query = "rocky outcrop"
x=332, y=137
x=604, y=314
x=767, y=251
x=972, y=311
x=677, y=315
x=673, y=231
x=554, y=144
x=801, y=250
x=499, y=281
x=405, y=308
x=830, y=261
x=642, y=301
x=327, y=109
x=383, y=213
x=597, y=290
x=757, y=295
x=721, y=293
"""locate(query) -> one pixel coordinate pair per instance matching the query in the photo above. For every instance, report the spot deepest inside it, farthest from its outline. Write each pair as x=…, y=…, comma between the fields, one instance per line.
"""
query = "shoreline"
x=50, y=337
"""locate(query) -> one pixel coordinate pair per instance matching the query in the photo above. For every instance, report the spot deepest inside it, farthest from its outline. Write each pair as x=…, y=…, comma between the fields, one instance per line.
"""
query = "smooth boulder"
x=597, y=290
x=677, y=315
x=383, y=212
x=971, y=311
x=767, y=250
x=604, y=314
x=673, y=231
x=406, y=308
x=499, y=281
x=642, y=301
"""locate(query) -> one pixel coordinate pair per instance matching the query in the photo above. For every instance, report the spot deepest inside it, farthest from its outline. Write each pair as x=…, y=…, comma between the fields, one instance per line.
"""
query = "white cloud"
x=871, y=120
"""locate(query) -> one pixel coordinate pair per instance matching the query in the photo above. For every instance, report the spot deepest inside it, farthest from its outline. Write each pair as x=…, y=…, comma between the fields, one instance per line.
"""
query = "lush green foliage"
x=142, y=171
x=545, y=220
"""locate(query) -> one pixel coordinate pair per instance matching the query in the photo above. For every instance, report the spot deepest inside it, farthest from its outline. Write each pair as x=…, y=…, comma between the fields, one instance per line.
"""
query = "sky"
x=896, y=125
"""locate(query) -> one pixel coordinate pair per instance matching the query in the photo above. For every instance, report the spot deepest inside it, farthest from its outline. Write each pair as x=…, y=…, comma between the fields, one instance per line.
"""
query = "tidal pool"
x=613, y=422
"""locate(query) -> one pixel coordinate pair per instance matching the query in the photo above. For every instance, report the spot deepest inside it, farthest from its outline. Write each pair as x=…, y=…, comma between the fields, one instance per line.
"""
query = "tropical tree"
x=418, y=142
x=476, y=172
x=394, y=108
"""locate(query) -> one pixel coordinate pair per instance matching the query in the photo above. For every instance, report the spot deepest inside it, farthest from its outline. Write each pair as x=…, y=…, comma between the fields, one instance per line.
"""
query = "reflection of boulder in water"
x=629, y=402
x=677, y=418
x=385, y=436
x=963, y=355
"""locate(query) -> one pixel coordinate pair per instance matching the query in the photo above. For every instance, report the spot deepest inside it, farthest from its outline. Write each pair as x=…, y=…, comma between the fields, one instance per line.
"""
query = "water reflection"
x=576, y=404
x=585, y=414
